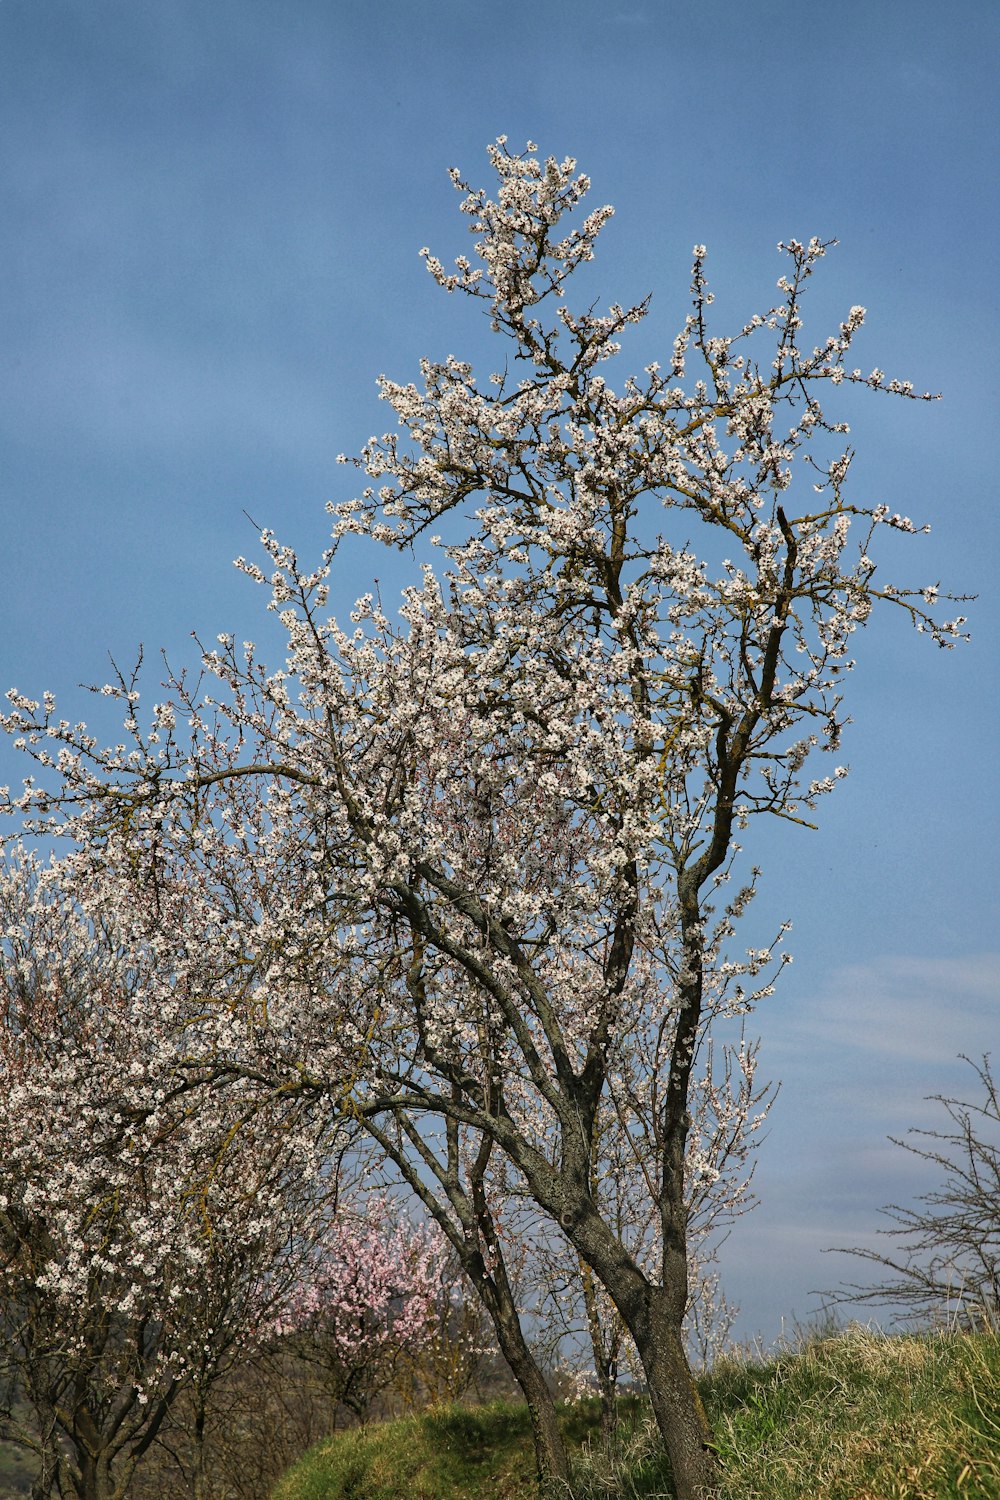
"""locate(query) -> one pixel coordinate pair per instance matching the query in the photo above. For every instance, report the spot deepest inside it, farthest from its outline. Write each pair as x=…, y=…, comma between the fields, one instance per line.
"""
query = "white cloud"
x=923, y=1010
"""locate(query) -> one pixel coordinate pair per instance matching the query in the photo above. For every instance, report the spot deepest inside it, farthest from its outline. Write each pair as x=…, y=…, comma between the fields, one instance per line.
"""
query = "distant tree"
x=366, y=1302
x=508, y=818
x=945, y=1264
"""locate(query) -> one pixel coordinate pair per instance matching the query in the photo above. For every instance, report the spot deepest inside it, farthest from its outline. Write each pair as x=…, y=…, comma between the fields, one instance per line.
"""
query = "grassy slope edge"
x=855, y=1416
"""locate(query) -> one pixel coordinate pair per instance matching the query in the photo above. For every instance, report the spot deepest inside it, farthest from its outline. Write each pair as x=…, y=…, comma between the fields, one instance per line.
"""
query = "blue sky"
x=208, y=251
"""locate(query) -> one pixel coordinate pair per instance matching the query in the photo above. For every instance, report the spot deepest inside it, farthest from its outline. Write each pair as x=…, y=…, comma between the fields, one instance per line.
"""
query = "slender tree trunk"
x=551, y=1461
x=471, y=1231
x=50, y=1455
x=199, y=1476
x=605, y=1344
x=45, y=1480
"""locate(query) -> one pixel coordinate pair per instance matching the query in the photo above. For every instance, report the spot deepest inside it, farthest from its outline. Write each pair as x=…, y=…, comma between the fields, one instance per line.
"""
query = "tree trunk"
x=677, y=1404
x=605, y=1344
x=654, y=1317
x=94, y=1481
x=551, y=1461
x=199, y=1476
x=673, y=1393
x=46, y=1479
x=471, y=1231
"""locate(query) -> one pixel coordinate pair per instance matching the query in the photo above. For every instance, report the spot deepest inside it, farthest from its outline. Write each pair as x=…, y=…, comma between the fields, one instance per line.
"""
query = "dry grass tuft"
x=864, y=1416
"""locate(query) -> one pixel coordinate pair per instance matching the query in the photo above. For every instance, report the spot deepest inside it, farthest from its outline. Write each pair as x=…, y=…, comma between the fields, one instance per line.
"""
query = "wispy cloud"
x=858, y=1061
x=923, y=1011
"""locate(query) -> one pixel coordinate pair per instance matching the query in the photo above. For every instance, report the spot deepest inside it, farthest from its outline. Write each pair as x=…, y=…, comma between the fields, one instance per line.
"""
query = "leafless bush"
x=947, y=1264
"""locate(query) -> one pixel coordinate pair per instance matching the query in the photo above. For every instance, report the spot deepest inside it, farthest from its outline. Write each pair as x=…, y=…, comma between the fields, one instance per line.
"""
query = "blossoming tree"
x=142, y=1251
x=509, y=815
x=366, y=1300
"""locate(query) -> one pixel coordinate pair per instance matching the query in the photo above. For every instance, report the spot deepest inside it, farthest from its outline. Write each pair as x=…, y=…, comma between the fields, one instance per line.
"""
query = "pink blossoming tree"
x=367, y=1300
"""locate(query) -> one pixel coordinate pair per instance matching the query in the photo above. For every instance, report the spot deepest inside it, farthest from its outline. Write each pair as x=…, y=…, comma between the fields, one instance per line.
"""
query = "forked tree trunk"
x=93, y=1481
x=654, y=1317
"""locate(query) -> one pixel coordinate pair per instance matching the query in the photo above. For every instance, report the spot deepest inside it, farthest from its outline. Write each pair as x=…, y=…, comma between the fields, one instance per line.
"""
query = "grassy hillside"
x=17, y=1470
x=858, y=1416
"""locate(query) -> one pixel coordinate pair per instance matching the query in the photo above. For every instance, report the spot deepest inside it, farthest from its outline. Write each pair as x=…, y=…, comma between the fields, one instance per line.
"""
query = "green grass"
x=474, y=1452
x=856, y=1416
